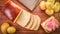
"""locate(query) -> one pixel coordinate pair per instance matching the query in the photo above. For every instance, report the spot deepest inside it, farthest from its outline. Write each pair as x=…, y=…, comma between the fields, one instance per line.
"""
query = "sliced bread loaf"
x=24, y=18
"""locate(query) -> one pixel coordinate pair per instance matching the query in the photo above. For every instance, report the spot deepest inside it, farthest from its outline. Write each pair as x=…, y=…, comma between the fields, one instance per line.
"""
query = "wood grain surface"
x=21, y=30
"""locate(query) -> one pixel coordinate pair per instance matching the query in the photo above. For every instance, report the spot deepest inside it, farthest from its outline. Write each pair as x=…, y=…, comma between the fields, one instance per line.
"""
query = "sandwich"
x=50, y=24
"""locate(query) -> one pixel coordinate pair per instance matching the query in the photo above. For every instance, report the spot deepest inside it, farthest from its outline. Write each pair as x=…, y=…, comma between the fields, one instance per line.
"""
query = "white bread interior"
x=24, y=18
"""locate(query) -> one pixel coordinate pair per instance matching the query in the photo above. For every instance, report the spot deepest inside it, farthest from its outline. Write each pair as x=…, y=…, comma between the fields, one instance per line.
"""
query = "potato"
x=42, y=5
x=49, y=5
x=49, y=11
x=4, y=27
x=11, y=30
x=56, y=7
x=52, y=1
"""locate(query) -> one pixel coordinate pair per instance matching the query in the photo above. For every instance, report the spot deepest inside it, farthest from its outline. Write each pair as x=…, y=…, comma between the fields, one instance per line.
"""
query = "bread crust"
x=30, y=23
x=38, y=23
x=34, y=23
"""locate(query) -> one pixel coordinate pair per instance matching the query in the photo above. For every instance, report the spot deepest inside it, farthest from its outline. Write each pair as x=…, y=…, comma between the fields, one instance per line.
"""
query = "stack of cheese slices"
x=28, y=20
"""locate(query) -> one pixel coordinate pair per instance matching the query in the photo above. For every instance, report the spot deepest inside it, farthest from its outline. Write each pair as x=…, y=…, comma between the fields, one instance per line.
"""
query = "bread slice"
x=24, y=18
x=44, y=23
x=34, y=23
x=38, y=23
x=30, y=23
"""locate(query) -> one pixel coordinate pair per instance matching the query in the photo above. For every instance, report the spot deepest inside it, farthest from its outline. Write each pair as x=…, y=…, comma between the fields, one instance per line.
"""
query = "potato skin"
x=42, y=5
x=49, y=12
x=56, y=7
x=4, y=27
x=11, y=30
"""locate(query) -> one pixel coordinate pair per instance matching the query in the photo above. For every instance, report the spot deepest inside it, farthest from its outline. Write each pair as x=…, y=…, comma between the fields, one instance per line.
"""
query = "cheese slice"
x=34, y=23
x=38, y=23
x=30, y=23
x=23, y=19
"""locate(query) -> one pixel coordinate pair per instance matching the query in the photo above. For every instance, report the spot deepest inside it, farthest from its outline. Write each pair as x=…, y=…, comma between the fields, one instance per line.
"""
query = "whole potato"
x=56, y=7
x=4, y=27
x=42, y=5
x=49, y=11
x=11, y=30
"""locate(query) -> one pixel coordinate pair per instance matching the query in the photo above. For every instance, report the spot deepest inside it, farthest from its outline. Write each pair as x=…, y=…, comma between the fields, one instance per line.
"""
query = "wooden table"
x=21, y=30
